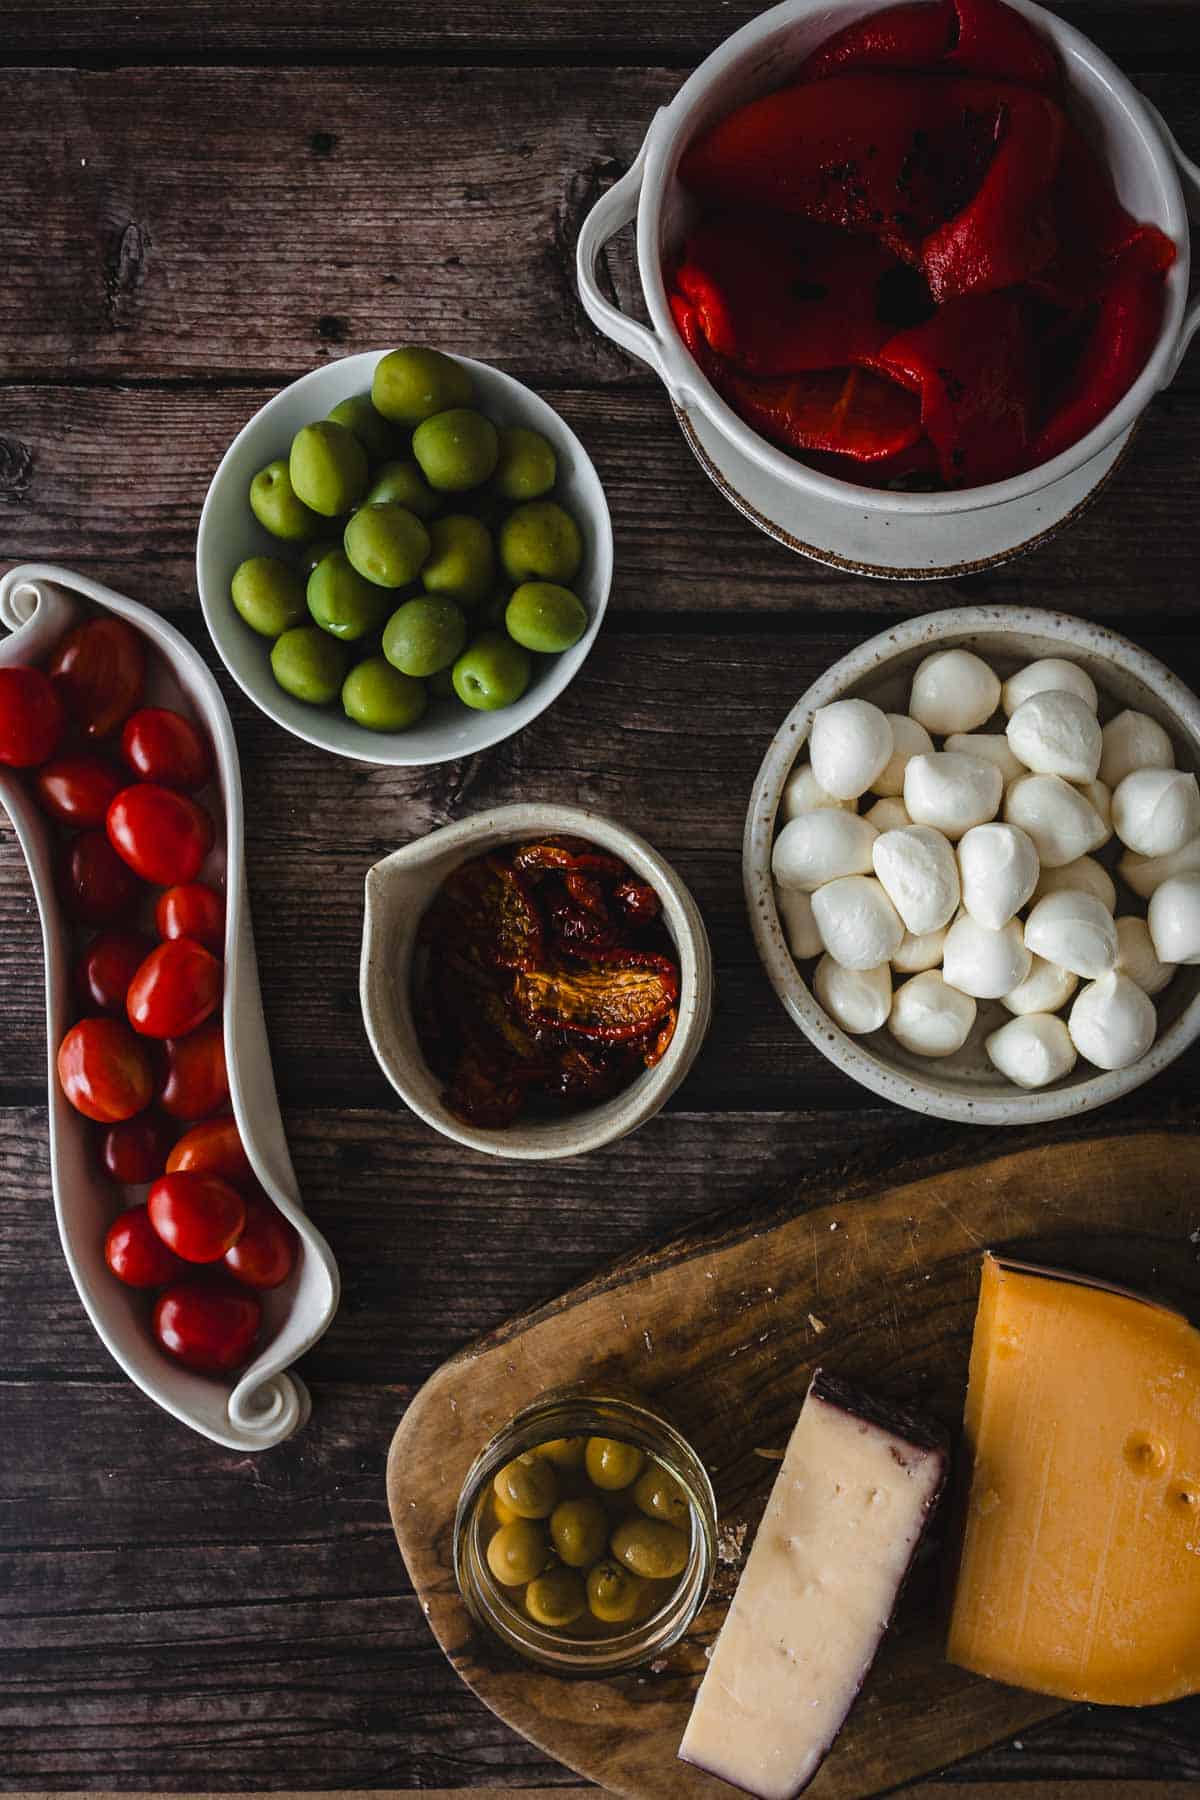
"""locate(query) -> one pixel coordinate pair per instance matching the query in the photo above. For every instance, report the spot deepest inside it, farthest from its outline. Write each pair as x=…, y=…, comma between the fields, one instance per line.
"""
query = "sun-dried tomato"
x=487, y=909
x=636, y=901
x=576, y=926
x=562, y=853
x=616, y=996
x=662, y=1042
x=483, y=1095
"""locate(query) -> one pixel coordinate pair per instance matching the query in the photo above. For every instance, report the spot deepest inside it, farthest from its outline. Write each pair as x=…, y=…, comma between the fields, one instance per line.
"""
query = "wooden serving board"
x=723, y=1333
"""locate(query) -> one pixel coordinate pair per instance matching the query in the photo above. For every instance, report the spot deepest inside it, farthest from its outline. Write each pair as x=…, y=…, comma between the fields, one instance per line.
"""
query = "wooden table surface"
x=200, y=202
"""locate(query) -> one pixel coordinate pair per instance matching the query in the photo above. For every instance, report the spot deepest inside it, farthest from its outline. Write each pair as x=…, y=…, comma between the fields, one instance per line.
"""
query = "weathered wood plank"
x=1142, y=33
x=375, y=205
x=111, y=481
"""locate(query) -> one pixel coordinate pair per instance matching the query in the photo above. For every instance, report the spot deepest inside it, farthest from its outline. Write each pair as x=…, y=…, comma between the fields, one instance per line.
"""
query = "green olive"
x=527, y=465
x=517, y=1552
x=309, y=665
x=611, y=1464
x=613, y=1594
x=378, y=438
x=565, y=1453
x=461, y=562
x=650, y=1548
x=413, y=382
x=503, y=1511
x=556, y=1598
x=268, y=595
x=529, y=1486
x=328, y=468
x=540, y=542
x=659, y=1496
x=274, y=504
x=404, y=483
x=381, y=698
x=579, y=1531
x=457, y=450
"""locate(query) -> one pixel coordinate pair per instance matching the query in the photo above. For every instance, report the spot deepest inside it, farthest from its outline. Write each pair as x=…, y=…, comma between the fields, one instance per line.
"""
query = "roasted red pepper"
x=1092, y=228
x=972, y=366
x=977, y=37
x=1123, y=327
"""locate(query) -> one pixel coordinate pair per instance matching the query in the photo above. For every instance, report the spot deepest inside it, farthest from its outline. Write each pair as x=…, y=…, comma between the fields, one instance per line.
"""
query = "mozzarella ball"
x=803, y=793
x=1062, y=824
x=851, y=743
x=888, y=814
x=1083, y=876
x=1099, y=795
x=1112, y=1022
x=1155, y=811
x=951, y=791
x=1053, y=674
x=1033, y=1050
x=1056, y=733
x=929, y=1017
x=1144, y=873
x=918, y=952
x=1075, y=931
x=1174, y=919
x=1136, y=956
x=858, y=924
x=919, y=874
x=819, y=846
x=989, y=746
x=908, y=740
x=1044, y=989
x=982, y=962
x=859, y=1000
x=799, y=926
x=953, y=690
x=1132, y=741
x=998, y=867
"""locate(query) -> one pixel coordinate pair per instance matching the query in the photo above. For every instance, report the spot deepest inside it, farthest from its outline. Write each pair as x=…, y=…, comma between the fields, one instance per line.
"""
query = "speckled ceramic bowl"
x=401, y=887
x=966, y=1086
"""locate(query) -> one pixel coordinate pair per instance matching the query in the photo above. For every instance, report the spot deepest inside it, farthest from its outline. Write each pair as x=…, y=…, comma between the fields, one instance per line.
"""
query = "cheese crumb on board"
x=855, y=1490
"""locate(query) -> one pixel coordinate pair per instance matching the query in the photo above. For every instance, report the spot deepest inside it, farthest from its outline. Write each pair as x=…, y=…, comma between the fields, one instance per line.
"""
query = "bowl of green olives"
x=404, y=556
x=585, y=1535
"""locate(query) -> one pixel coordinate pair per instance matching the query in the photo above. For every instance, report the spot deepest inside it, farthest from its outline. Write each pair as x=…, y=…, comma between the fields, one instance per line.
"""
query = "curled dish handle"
x=614, y=210
x=1189, y=180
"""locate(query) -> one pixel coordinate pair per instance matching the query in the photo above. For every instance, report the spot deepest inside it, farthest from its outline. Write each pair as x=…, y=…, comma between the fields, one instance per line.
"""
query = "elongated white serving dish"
x=266, y=1403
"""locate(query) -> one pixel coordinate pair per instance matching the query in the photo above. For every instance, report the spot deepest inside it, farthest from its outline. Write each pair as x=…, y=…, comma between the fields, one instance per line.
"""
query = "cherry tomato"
x=196, y=1081
x=104, y=1070
x=163, y=746
x=213, y=1148
x=137, y=1255
x=177, y=988
x=108, y=965
x=98, y=670
x=162, y=835
x=264, y=1254
x=197, y=1216
x=97, y=886
x=135, y=1151
x=192, y=910
x=31, y=718
x=77, y=790
x=207, y=1325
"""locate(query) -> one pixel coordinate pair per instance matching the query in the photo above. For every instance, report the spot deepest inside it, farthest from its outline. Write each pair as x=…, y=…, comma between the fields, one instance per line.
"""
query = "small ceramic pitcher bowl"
x=400, y=888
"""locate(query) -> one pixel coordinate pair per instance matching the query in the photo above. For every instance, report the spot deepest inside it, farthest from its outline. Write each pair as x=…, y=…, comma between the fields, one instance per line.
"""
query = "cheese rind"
x=854, y=1492
x=1080, y=1567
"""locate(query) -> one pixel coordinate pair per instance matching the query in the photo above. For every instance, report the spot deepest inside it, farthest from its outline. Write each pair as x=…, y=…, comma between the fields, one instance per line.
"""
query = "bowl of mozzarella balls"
x=972, y=861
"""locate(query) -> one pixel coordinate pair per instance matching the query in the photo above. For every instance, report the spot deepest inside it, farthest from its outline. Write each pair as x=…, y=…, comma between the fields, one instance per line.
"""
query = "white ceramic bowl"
x=229, y=533
x=264, y=1404
x=872, y=530
x=400, y=888
x=966, y=1087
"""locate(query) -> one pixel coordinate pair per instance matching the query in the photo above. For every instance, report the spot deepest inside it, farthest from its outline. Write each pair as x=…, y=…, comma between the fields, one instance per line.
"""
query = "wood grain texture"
x=722, y=1331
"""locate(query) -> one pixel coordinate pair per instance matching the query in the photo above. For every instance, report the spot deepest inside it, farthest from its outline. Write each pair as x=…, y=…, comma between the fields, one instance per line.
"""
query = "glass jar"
x=585, y=1412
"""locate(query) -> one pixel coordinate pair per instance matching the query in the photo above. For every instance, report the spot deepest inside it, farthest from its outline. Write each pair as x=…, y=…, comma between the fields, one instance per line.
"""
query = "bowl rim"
x=386, y=749
x=660, y=151
x=927, y=632
x=648, y=1093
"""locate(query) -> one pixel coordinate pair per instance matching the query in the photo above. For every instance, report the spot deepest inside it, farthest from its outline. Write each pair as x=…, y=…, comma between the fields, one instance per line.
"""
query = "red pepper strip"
x=1127, y=320
x=1007, y=232
x=919, y=459
x=849, y=412
x=972, y=364
x=1092, y=228
x=776, y=294
x=978, y=37
x=615, y=996
x=993, y=39
x=890, y=155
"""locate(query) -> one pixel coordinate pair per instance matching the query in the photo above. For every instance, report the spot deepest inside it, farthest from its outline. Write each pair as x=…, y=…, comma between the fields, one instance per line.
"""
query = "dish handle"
x=611, y=213
x=1189, y=181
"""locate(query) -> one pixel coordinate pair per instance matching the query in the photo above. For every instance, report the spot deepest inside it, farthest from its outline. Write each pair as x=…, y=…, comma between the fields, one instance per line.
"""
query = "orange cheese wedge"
x=1080, y=1566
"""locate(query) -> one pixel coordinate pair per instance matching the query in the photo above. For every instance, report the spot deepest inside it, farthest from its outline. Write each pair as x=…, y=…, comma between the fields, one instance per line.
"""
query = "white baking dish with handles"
x=1154, y=179
x=266, y=1402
